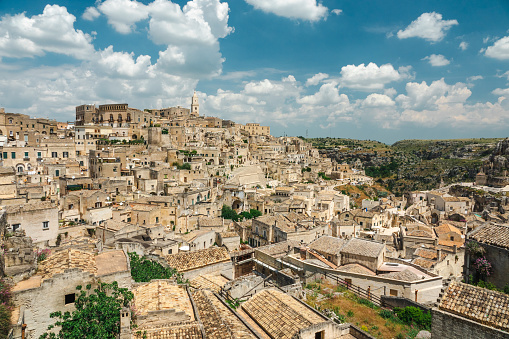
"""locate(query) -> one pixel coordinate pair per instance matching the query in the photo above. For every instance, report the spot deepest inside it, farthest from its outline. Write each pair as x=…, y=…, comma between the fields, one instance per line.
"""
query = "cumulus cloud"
x=316, y=79
x=336, y=11
x=437, y=60
x=499, y=50
x=90, y=14
x=327, y=95
x=474, y=78
x=428, y=26
x=51, y=31
x=463, y=45
x=378, y=100
x=371, y=77
x=123, y=14
x=501, y=91
x=308, y=10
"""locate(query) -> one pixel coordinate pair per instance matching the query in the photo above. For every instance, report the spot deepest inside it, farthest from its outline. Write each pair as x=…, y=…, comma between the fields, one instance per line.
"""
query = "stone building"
x=494, y=241
x=39, y=220
x=53, y=288
x=210, y=260
x=466, y=311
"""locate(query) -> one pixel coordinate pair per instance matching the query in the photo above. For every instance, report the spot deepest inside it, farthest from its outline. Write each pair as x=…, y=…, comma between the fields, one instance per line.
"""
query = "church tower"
x=195, y=107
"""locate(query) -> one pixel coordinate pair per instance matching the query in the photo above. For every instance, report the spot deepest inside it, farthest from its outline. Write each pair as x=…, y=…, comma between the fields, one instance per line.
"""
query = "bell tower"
x=195, y=106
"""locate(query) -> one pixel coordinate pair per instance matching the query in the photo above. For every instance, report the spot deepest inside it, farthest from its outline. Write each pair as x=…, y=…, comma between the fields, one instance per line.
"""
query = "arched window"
x=119, y=119
x=111, y=117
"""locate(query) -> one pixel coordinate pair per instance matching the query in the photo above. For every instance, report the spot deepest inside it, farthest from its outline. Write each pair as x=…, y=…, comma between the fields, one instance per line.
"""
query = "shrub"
x=144, y=270
x=413, y=315
x=349, y=313
x=366, y=302
x=385, y=313
x=5, y=308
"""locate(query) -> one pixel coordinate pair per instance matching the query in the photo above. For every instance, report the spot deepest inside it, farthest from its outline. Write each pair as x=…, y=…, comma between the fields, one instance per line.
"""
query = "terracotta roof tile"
x=363, y=247
x=479, y=304
x=187, y=261
x=279, y=314
x=491, y=234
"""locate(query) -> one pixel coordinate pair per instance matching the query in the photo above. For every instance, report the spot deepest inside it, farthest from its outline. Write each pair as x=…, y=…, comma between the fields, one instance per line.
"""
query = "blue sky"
x=379, y=69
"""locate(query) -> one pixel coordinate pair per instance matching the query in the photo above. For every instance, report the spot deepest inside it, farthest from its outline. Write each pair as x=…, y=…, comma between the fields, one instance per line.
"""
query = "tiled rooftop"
x=186, y=261
x=356, y=268
x=62, y=260
x=327, y=244
x=278, y=249
x=362, y=247
x=218, y=320
x=491, y=234
x=162, y=295
x=209, y=281
x=279, y=314
x=479, y=304
x=184, y=331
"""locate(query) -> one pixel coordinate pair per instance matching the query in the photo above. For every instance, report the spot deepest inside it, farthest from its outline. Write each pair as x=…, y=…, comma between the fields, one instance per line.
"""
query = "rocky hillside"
x=417, y=164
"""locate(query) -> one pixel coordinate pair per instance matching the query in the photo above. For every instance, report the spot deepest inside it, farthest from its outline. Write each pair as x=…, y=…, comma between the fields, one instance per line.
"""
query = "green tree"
x=228, y=213
x=245, y=215
x=255, y=213
x=97, y=314
x=144, y=270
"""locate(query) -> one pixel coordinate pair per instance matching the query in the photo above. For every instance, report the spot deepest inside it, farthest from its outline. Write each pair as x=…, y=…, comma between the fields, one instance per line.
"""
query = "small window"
x=54, y=154
x=15, y=227
x=393, y=293
x=71, y=206
x=65, y=154
x=70, y=298
x=170, y=251
x=26, y=154
x=39, y=154
x=45, y=225
x=13, y=155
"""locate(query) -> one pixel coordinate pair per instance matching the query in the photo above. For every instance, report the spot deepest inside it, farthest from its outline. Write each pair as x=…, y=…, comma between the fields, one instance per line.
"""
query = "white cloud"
x=371, y=77
x=420, y=96
x=121, y=64
x=308, y=10
x=501, y=91
x=428, y=26
x=90, y=14
x=474, y=78
x=316, y=79
x=327, y=95
x=123, y=14
x=378, y=100
x=499, y=50
x=437, y=60
x=336, y=11
x=463, y=45
x=51, y=31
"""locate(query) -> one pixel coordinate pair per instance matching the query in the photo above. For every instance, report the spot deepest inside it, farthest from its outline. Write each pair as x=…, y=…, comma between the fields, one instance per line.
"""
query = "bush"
x=144, y=270
x=349, y=314
x=255, y=213
x=228, y=213
x=5, y=308
x=385, y=313
x=413, y=315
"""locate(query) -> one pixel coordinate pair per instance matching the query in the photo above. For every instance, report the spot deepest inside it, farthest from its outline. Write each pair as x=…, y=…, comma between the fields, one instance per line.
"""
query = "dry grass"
x=360, y=315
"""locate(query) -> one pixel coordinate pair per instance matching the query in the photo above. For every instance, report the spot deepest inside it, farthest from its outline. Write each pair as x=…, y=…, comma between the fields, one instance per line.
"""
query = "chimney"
x=454, y=249
x=439, y=254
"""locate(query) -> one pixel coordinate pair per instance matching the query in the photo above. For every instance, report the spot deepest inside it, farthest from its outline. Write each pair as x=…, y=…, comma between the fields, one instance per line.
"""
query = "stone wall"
x=448, y=326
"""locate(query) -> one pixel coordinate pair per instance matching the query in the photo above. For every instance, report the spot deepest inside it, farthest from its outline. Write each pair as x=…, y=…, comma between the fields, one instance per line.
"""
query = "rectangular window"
x=65, y=154
x=13, y=155
x=157, y=220
x=26, y=154
x=70, y=298
x=54, y=154
x=39, y=154
x=71, y=206
x=15, y=227
x=45, y=225
x=393, y=293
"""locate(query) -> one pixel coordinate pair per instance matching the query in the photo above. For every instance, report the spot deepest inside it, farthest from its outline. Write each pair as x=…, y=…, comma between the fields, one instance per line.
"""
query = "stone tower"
x=125, y=324
x=195, y=107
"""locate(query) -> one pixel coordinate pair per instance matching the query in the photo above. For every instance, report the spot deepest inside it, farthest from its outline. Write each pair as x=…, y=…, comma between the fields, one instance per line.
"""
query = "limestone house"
x=7, y=182
x=449, y=236
x=53, y=288
x=466, y=311
x=39, y=220
x=198, y=239
x=367, y=253
x=210, y=260
x=439, y=260
x=329, y=248
x=279, y=315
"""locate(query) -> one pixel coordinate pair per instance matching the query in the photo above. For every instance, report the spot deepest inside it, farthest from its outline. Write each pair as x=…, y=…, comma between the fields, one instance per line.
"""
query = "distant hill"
x=412, y=164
